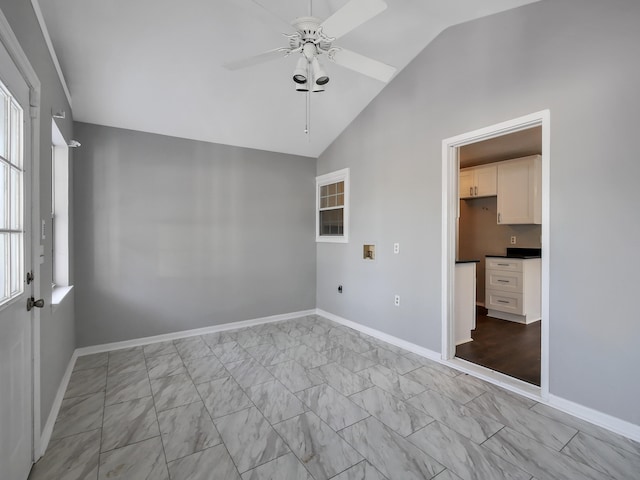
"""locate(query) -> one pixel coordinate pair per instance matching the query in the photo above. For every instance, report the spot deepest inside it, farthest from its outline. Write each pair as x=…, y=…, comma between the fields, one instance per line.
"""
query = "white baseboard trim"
x=385, y=337
x=606, y=421
x=190, y=333
x=47, y=431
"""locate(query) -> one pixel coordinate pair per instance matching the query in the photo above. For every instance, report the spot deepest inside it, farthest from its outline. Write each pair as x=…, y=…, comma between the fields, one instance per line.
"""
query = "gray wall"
x=174, y=234
x=574, y=57
x=480, y=235
x=56, y=329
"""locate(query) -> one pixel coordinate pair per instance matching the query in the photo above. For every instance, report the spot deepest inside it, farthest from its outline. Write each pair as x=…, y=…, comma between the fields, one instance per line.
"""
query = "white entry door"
x=16, y=371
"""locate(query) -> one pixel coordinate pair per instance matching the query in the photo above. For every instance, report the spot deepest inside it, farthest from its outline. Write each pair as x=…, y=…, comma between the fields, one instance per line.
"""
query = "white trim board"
x=385, y=337
x=52, y=52
x=608, y=422
x=57, y=403
x=106, y=347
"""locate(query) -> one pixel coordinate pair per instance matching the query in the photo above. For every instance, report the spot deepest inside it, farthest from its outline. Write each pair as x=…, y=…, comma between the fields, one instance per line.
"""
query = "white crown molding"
x=52, y=52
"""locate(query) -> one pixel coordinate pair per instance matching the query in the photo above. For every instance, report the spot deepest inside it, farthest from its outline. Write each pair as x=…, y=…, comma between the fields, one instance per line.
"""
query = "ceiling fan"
x=313, y=38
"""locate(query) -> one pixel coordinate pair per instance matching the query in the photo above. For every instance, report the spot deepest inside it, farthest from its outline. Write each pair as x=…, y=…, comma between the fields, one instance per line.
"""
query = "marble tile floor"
x=309, y=399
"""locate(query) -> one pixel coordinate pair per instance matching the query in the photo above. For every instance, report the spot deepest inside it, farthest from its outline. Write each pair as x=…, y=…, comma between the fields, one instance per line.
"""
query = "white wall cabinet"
x=478, y=181
x=512, y=289
x=519, y=191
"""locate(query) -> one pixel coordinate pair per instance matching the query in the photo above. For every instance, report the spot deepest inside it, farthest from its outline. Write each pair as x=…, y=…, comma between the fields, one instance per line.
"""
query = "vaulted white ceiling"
x=156, y=65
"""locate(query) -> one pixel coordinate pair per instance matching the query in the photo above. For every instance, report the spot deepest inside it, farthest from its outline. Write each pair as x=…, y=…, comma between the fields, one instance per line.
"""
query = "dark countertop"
x=467, y=261
x=522, y=257
x=520, y=252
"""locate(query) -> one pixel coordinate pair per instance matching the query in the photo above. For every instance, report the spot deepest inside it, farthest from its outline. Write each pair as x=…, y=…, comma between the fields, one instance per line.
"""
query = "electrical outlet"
x=396, y=300
x=396, y=248
x=513, y=239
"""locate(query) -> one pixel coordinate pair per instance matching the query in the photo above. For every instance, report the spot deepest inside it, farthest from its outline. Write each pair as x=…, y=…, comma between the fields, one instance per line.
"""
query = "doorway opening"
x=495, y=259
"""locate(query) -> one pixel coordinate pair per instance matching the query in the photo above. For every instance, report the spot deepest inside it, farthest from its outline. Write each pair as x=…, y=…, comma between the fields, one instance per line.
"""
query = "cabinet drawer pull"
x=502, y=301
x=503, y=264
x=470, y=191
x=503, y=281
x=475, y=190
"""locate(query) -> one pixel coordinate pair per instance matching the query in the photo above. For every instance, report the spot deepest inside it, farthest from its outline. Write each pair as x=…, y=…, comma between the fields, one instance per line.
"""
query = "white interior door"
x=16, y=370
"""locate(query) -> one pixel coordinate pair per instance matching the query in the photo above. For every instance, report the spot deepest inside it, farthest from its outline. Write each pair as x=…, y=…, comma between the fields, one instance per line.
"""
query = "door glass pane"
x=15, y=273
x=16, y=199
x=4, y=195
x=4, y=273
x=11, y=197
x=16, y=136
x=4, y=124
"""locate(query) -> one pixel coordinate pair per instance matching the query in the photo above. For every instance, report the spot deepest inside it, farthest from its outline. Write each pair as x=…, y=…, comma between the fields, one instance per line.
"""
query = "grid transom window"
x=11, y=197
x=332, y=207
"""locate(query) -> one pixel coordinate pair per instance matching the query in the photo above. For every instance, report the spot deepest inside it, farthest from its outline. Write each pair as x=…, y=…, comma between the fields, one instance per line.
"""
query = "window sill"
x=58, y=294
x=332, y=240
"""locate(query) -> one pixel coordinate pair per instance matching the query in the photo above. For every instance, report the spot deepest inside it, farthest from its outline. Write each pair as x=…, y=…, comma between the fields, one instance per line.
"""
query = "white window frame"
x=59, y=215
x=327, y=179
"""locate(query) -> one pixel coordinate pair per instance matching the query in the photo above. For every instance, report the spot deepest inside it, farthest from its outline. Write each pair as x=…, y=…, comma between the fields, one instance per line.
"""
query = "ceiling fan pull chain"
x=309, y=121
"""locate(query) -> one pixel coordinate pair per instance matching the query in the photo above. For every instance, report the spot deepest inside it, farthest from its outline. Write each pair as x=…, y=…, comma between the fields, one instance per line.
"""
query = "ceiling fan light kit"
x=301, y=71
x=312, y=39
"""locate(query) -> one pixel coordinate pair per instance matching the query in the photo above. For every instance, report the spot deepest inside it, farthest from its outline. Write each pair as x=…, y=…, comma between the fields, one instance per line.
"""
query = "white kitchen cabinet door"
x=475, y=182
x=467, y=182
x=519, y=185
x=486, y=181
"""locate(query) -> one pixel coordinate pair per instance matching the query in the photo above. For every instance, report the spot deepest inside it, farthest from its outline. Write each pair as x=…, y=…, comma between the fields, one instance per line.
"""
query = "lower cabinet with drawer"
x=512, y=289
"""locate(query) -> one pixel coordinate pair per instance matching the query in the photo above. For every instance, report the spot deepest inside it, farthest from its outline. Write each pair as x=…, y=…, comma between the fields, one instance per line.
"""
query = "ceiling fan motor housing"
x=310, y=37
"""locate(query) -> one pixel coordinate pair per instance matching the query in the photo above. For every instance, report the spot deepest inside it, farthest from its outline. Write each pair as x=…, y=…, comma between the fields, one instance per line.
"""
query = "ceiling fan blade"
x=351, y=16
x=275, y=15
x=364, y=65
x=256, y=59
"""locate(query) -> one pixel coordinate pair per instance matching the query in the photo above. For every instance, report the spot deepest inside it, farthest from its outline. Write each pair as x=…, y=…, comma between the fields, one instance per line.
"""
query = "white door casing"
x=450, y=215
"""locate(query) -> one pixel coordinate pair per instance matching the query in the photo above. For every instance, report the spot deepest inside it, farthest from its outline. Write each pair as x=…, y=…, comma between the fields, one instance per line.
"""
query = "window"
x=11, y=198
x=59, y=209
x=332, y=207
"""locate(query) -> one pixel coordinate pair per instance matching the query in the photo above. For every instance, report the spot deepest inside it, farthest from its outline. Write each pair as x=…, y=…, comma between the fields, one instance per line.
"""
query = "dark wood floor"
x=507, y=347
